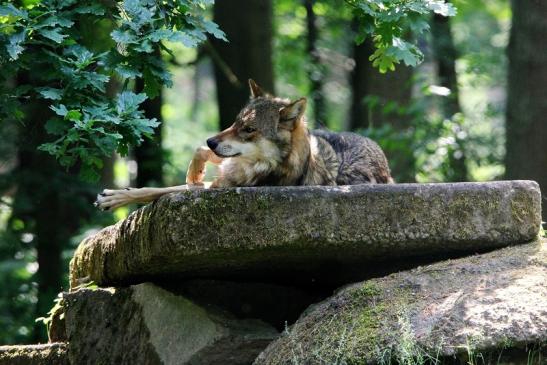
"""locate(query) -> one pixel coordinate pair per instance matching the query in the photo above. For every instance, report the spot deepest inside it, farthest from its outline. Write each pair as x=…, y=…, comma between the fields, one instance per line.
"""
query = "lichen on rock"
x=45, y=354
x=479, y=304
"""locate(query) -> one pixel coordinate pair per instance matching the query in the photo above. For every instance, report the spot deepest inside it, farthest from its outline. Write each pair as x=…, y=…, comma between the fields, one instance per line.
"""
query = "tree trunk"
x=391, y=87
x=445, y=57
x=526, y=100
x=248, y=27
x=149, y=155
x=51, y=204
x=315, y=69
x=394, y=86
x=359, y=115
x=107, y=174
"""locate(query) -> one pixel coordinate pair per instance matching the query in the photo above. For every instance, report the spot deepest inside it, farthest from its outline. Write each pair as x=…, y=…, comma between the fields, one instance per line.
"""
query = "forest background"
x=99, y=94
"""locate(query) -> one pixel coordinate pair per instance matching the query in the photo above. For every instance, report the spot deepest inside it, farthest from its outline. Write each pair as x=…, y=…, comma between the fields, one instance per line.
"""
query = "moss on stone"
x=426, y=314
x=47, y=354
x=366, y=290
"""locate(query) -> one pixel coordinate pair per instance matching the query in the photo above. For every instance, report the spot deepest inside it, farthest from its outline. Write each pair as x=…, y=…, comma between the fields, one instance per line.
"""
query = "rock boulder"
x=307, y=234
x=475, y=306
x=145, y=324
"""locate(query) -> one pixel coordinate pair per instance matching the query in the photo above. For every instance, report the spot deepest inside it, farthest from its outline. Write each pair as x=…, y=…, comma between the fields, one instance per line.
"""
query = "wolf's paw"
x=196, y=172
x=112, y=199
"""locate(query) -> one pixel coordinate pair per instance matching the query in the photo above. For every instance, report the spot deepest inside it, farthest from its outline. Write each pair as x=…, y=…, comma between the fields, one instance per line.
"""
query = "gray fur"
x=360, y=159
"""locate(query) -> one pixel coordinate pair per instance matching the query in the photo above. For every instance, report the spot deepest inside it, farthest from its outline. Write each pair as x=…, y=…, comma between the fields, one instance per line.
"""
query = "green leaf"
x=145, y=46
x=127, y=72
x=14, y=47
x=123, y=37
x=50, y=148
x=123, y=149
x=94, y=9
x=107, y=144
x=145, y=126
x=60, y=110
x=84, y=58
x=65, y=3
x=73, y=115
x=95, y=161
x=56, y=126
x=404, y=51
x=129, y=102
x=50, y=93
x=212, y=28
x=10, y=10
x=138, y=11
x=151, y=85
x=53, y=34
x=383, y=61
x=185, y=39
x=161, y=34
x=89, y=173
x=54, y=20
x=205, y=3
x=419, y=26
x=360, y=38
x=442, y=8
x=95, y=79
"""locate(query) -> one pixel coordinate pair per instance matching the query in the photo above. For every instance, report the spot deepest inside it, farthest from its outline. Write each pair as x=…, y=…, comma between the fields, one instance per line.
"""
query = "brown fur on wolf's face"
x=260, y=139
x=259, y=121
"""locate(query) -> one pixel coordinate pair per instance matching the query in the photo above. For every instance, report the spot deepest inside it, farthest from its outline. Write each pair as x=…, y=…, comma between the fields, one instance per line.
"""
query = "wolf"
x=269, y=144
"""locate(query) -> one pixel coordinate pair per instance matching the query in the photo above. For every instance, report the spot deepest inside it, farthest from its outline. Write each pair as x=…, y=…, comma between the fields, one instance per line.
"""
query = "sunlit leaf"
x=50, y=93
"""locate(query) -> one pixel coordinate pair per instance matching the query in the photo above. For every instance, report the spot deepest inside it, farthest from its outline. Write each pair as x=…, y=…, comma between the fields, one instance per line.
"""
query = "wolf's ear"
x=291, y=113
x=256, y=91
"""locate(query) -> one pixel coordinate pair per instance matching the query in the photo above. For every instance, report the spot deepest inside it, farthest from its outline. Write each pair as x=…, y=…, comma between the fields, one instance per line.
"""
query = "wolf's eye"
x=248, y=129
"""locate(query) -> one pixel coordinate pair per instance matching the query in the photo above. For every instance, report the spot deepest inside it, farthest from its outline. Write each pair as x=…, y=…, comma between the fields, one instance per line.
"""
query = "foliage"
x=388, y=22
x=432, y=139
x=18, y=294
x=50, y=36
x=57, y=306
x=18, y=269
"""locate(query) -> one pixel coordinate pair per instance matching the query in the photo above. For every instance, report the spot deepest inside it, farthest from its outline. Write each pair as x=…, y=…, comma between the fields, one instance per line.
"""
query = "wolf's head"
x=262, y=130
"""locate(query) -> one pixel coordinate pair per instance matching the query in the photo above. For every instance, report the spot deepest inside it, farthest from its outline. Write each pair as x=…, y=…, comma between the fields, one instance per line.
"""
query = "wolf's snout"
x=212, y=143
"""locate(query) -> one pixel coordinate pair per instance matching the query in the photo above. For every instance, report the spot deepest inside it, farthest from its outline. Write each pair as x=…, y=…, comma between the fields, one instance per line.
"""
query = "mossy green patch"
x=368, y=289
x=350, y=330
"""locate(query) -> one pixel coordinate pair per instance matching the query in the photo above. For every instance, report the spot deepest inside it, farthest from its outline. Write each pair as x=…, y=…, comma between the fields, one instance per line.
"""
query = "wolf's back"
x=361, y=160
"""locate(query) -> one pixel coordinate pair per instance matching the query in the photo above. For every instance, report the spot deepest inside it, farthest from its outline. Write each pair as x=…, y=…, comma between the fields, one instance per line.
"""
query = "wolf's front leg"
x=112, y=199
x=196, y=170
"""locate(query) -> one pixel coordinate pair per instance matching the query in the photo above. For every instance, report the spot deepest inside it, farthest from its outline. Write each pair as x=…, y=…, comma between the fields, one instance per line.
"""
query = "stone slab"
x=307, y=233
x=44, y=354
